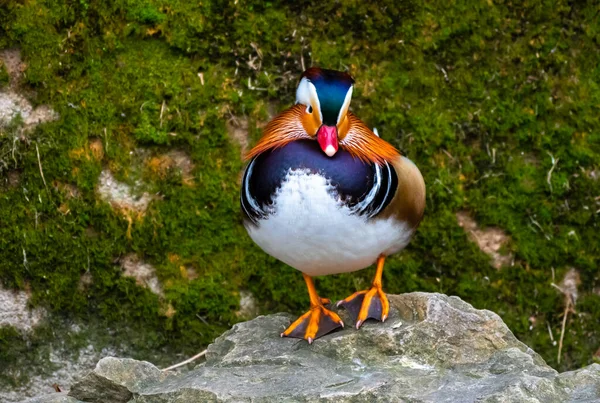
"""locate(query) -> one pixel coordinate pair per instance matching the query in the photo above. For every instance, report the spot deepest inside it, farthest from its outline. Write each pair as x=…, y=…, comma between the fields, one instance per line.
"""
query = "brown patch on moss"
x=173, y=257
x=188, y=272
x=97, y=149
x=85, y=281
x=77, y=153
x=191, y=273
x=161, y=165
x=64, y=209
x=168, y=311
x=13, y=178
x=14, y=66
x=70, y=191
x=490, y=240
x=94, y=149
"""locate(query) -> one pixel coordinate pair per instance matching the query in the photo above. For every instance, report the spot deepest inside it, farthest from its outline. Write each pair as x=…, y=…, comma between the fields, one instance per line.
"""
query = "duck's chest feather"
x=365, y=188
x=313, y=231
x=319, y=214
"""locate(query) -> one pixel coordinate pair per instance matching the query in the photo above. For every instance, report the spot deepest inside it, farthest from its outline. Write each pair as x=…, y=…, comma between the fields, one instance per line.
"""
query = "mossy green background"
x=480, y=94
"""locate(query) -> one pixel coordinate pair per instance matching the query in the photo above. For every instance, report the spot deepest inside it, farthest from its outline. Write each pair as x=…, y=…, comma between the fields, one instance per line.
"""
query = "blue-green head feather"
x=332, y=88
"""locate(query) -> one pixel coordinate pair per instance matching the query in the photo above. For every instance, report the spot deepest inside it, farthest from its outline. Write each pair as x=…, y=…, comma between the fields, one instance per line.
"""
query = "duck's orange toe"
x=367, y=304
x=317, y=322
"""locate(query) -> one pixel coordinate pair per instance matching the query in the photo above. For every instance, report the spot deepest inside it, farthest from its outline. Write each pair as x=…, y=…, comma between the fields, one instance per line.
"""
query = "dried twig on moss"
x=162, y=110
x=562, y=330
x=568, y=288
x=40, y=165
x=549, y=175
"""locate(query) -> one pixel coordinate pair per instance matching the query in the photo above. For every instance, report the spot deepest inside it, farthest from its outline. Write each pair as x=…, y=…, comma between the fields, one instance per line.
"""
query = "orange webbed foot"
x=362, y=305
x=317, y=322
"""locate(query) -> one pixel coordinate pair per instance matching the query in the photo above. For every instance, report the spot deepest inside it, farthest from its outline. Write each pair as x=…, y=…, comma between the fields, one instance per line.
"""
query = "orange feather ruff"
x=358, y=140
x=362, y=143
x=283, y=129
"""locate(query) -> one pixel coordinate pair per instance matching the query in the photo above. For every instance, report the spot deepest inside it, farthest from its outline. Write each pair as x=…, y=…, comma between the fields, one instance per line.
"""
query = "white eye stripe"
x=346, y=104
x=306, y=94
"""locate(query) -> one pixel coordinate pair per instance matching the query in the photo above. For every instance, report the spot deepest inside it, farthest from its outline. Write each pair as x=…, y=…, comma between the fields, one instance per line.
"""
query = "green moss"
x=482, y=96
x=4, y=77
x=14, y=351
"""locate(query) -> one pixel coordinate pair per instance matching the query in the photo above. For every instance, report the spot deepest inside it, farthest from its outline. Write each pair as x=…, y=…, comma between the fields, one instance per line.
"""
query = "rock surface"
x=433, y=348
x=120, y=195
x=15, y=310
x=13, y=103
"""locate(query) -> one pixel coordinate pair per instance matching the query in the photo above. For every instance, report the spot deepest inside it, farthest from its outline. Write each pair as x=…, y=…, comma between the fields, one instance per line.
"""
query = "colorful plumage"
x=325, y=195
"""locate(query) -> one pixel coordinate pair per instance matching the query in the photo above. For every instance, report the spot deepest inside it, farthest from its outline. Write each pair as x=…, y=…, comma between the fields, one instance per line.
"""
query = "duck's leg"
x=372, y=303
x=317, y=322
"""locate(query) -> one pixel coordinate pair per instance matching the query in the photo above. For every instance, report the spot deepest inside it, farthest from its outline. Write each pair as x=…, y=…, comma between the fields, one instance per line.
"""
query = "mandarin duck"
x=326, y=195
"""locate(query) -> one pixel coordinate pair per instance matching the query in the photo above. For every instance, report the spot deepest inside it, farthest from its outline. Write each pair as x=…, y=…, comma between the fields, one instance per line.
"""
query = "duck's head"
x=321, y=113
x=326, y=95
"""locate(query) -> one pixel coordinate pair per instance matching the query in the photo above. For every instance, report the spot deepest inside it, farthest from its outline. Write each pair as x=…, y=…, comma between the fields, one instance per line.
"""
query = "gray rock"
x=433, y=348
x=53, y=398
x=15, y=311
x=116, y=380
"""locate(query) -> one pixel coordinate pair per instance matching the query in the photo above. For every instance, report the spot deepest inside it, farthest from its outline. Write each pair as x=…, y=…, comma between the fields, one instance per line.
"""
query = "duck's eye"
x=309, y=109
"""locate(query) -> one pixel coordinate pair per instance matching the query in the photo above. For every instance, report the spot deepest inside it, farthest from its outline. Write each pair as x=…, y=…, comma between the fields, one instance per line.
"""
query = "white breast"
x=312, y=231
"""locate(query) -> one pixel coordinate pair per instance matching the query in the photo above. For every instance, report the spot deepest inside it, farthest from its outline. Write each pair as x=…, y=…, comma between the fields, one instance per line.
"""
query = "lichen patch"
x=490, y=240
x=143, y=273
x=13, y=103
x=248, y=305
x=121, y=195
x=14, y=310
x=41, y=114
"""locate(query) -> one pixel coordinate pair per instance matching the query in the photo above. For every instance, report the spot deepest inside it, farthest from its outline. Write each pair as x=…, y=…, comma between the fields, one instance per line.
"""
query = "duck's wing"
x=251, y=207
x=408, y=201
x=384, y=185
